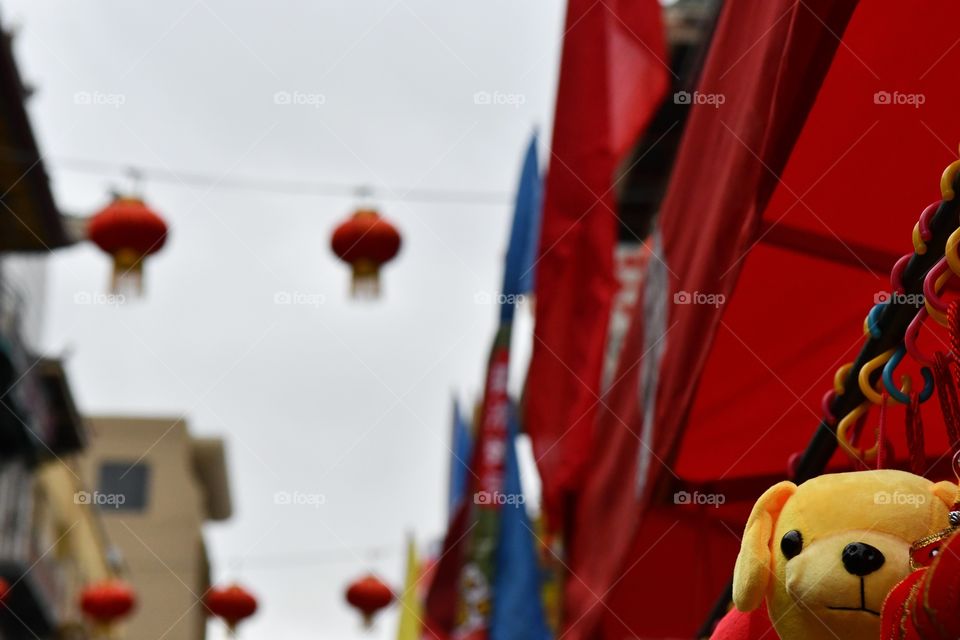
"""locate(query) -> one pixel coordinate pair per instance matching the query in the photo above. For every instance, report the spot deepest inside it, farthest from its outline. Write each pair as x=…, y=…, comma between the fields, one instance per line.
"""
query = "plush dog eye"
x=791, y=544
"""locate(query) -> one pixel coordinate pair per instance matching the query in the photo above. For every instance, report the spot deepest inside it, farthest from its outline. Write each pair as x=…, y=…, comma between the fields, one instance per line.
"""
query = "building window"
x=123, y=486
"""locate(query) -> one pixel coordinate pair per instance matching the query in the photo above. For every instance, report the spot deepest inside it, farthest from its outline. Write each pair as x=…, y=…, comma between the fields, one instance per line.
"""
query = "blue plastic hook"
x=873, y=318
x=892, y=389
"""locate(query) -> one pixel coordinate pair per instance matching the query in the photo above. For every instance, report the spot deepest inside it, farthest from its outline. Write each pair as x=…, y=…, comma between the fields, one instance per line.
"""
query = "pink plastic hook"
x=910, y=340
x=896, y=274
x=925, y=232
x=930, y=285
x=825, y=403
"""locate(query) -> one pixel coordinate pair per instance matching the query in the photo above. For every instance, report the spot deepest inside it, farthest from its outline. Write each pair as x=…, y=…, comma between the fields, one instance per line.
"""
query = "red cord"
x=882, y=453
x=915, y=440
x=947, y=394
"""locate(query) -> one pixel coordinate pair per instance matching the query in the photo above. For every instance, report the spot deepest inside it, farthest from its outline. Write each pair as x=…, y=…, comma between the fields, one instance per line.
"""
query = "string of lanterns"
x=129, y=231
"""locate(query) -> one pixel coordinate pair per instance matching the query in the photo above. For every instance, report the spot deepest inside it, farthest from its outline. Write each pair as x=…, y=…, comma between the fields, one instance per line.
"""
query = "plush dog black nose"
x=861, y=559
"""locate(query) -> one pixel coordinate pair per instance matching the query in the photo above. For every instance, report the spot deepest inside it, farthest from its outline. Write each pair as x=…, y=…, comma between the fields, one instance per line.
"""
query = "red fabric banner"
x=612, y=78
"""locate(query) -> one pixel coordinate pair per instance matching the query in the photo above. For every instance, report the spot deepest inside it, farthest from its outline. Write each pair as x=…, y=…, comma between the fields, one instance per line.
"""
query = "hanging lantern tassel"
x=232, y=604
x=369, y=595
x=366, y=242
x=129, y=231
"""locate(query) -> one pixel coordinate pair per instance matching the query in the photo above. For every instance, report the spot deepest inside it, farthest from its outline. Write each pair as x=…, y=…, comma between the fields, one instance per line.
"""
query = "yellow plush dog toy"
x=825, y=554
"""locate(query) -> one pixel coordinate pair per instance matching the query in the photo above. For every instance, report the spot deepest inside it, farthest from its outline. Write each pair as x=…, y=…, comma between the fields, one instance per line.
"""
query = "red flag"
x=613, y=76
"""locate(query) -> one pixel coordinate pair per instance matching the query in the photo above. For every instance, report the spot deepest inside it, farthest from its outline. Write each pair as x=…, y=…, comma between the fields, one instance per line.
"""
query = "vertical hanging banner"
x=461, y=447
x=489, y=461
x=462, y=598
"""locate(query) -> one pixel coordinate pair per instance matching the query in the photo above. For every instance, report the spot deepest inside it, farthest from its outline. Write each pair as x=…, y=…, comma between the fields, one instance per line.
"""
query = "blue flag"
x=461, y=449
x=517, y=593
x=524, y=235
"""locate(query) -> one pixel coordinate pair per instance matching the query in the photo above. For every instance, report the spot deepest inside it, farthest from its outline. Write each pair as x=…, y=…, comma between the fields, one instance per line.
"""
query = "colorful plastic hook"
x=921, y=230
x=867, y=371
x=933, y=284
x=896, y=274
x=840, y=377
x=950, y=252
x=871, y=324
x=897, y=394
x=845, y=424
x=947, y=179
x=910, y=340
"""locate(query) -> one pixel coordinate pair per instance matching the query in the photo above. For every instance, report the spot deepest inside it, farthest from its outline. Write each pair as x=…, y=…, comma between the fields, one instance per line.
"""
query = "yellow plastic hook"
x=864, y=379
x=919, y=246
x=950, y=251
x=947, y=180
x=941, y=282
x=848, y=421
x=840, y=377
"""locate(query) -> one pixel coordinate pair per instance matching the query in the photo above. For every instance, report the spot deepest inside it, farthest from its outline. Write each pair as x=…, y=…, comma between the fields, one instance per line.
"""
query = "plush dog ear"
x=946, y=491
x=752, y=572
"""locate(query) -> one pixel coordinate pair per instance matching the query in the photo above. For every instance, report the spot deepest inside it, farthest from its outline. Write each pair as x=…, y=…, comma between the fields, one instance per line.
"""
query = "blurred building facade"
x=156, y=485
x=51, y=545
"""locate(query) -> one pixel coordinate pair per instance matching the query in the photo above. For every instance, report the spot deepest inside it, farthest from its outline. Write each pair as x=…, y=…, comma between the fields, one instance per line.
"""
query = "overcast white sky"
x=342, y=399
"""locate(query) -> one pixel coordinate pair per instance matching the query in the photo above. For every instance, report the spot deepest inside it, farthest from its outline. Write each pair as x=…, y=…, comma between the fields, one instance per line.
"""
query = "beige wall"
x=162, y=546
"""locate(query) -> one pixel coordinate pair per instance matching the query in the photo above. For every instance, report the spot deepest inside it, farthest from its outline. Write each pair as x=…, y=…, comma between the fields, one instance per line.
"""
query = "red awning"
x=798, y=239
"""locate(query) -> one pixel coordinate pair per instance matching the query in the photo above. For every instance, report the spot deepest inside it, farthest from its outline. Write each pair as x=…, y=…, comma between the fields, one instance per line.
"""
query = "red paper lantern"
x=232, y=604
x=4, y=590
x=107, y=601
x=366, y=242
x=129, y=231
x=369, y=595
